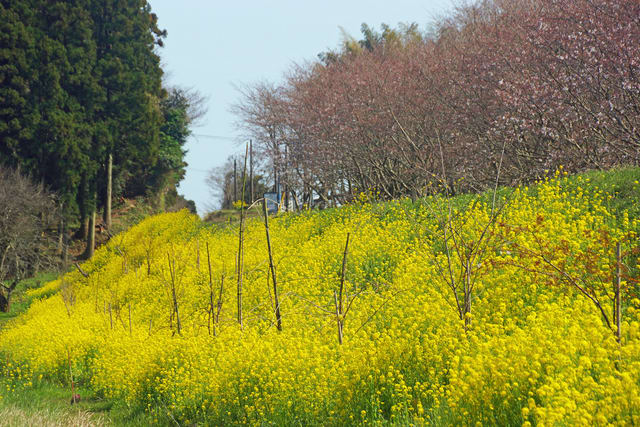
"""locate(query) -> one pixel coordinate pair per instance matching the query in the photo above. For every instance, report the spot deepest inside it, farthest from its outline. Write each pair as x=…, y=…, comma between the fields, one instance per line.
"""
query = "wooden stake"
x=338, y=299
x=344, y=270
x=211, y=315
x=172, y=270
x=338, y=319
x=220, y=299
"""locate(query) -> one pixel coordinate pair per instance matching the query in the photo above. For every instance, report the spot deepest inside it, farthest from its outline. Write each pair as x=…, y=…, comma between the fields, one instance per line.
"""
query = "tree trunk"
x=83, y=231
x=83, y=195
x=107, y=202
x=286, y=197
x=5, y=297
x=61, y=236
x=65, y=247
x=4, y=303
x=161, y=204
x=91, y=237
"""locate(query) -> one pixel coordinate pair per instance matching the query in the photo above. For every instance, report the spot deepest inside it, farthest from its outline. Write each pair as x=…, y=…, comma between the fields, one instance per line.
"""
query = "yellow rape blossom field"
x=487, y=314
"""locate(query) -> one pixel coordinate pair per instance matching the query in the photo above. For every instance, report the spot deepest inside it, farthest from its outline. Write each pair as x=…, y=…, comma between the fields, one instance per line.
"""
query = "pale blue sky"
x=213, y=45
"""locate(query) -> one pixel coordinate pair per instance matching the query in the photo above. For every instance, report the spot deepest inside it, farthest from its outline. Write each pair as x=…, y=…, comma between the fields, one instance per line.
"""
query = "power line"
x=228, y=138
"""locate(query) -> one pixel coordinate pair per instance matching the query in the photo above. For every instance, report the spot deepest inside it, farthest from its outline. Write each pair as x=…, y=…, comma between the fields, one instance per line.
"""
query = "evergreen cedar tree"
x=80, y=82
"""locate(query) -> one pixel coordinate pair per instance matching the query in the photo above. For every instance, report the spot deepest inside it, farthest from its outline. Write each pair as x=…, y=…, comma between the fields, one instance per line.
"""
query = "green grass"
x=622, y=184
x=19, y=300
x=50, y=404
x=131, y=212
x=619, y=183
x=231, y=217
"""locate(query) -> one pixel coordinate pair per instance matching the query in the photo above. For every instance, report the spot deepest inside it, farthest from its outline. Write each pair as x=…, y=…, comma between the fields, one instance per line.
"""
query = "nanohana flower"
x=531, y=348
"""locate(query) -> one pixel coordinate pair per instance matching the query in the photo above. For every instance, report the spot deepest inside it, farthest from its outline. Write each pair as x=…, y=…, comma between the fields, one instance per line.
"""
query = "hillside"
x=436, y=312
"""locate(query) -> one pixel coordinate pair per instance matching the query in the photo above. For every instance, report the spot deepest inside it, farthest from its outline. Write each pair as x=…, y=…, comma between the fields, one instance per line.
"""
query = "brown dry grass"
x=13, y=416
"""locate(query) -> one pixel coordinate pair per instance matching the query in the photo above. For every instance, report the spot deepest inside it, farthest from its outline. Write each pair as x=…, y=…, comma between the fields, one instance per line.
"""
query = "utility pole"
x=107, y=206
x=235, y=181
x=251, y=170
x=286, y=178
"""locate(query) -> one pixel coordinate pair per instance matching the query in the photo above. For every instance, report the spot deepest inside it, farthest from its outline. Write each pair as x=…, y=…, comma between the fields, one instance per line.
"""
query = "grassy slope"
x=19, y=302
x=48, y=404
x=619, y=184
x=231, y=217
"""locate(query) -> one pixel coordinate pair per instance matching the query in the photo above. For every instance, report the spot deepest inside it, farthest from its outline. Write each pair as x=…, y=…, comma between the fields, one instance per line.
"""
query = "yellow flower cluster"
x=152, y=326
